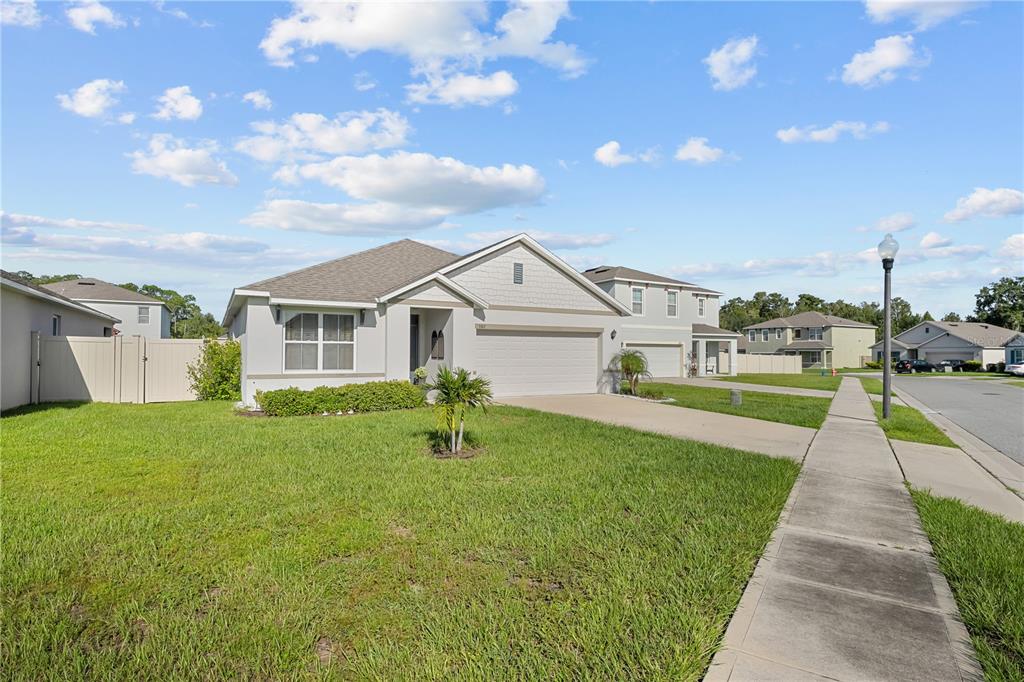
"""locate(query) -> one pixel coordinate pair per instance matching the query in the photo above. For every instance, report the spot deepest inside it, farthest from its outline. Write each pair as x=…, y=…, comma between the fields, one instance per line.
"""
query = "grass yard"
x=872, y=386
x=906, y=423
x=181, y=540
x=826, y=383
x=981, y=556
x=773, y=407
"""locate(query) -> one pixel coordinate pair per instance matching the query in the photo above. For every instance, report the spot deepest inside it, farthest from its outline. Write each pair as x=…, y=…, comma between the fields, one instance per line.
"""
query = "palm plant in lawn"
x=458, y=391
x=633, y=365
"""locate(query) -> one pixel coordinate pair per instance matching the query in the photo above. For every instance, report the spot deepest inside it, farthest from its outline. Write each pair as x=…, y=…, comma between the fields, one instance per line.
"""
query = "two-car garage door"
x=538, y=362
x=662, y=360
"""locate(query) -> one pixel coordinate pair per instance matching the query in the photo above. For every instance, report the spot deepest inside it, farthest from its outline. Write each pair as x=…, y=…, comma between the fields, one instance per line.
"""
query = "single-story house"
x=820, y=340
x=936, y=341
x=27, y=308
x=140, y=315
x=512, y=311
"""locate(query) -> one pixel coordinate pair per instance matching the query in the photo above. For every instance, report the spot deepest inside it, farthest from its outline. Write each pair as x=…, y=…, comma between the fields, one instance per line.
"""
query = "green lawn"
x=773, y=407
x=981, y=556
x=826, y=383
x=906, y=423
x=872, y=385
x=181, y=540
x=1016, y=382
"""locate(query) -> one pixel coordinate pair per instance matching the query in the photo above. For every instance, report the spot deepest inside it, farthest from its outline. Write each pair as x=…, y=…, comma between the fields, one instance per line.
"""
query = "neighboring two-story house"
x=820, y=340
x=140, y=315
x=673, y=323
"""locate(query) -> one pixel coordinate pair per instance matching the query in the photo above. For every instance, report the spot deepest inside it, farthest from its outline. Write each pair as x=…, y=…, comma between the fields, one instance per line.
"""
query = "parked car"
x=911, y=366
x=1016, y=370
x=950, y=363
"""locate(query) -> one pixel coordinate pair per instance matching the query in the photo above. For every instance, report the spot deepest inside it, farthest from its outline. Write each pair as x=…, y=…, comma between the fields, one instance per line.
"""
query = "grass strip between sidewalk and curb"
x=906, y=423
x=815, y=381
x=981, y=555
x=774, y=407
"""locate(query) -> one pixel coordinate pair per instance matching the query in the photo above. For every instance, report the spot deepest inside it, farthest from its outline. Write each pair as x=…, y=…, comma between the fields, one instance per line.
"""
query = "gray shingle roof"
x=360, y=277
x=978, y=333
x=603, y=273
x=699, y=328
x=35, y=287
x=809, y=319
x=92, y=289
x=807, y=345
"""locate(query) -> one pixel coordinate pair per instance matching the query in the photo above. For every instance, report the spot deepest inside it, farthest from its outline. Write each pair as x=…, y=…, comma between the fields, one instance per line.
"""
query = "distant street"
x=991, y=410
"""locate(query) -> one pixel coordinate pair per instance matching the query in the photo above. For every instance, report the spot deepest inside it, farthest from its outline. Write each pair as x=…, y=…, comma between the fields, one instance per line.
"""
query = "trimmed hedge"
x=374, y=396
x=969, y=366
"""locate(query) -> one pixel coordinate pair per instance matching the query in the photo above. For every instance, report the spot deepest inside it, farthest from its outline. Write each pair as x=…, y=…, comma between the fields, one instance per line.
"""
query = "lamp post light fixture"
x=887, y=250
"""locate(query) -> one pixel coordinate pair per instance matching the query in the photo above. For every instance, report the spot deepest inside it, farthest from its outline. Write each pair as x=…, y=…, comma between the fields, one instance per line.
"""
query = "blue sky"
x=746, y=147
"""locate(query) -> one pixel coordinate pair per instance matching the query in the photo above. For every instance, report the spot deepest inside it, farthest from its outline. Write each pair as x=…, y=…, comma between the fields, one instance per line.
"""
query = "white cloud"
x=933, y=240
x=1013, y=248
x=698, y=151
x=364, y=220
x=938, y=278
x=20, y=13
x=170, y=158
x=731, y=66
x=895, y=222
x=991, y=203
x=94, y=99
x=610, y=154
x=87, y=14
x=178, y=103
x=308, y=136
x=363, y=81
x=882, y=62
x=925, y=14
x=258, y=99
x=13, y=220
x=427, y=181
x=461, y=89
x=856, y=129
x=179, y=13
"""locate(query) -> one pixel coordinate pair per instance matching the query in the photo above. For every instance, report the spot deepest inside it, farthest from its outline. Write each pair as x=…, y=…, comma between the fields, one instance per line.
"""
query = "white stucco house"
x=26, y=308
x=936, y=341
x=139, y=315
x=513, y=312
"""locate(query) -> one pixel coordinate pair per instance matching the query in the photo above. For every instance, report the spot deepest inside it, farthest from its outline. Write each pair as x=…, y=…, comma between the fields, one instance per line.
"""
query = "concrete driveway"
x=989, y=409
x=755, y=435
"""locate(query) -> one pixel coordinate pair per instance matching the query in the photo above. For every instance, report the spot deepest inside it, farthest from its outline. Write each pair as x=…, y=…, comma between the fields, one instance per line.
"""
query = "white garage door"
x=662, y=361
x=936, y=356
x=537, y=363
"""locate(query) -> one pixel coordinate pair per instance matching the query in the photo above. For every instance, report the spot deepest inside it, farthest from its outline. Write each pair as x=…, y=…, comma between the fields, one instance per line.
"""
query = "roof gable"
x=92, y=289
x=605, y=273
x=809, y=318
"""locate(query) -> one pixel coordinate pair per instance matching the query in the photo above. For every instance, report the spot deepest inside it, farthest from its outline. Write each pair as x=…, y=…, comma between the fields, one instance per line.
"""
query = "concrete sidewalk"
x=743, y=433
x=760, y=388
x=847, y=588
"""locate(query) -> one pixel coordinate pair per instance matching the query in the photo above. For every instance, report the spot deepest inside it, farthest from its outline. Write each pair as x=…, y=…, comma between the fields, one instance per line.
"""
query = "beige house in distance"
x=139, y=315
x=824, y=341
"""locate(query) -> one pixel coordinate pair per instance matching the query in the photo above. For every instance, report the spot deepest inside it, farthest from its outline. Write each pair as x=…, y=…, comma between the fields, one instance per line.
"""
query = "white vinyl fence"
x=117, y=369
x=768, y=364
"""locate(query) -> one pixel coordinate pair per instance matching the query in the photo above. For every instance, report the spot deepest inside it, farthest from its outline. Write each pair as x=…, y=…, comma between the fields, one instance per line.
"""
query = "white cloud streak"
x=858, y=130
x=178, y=103
x=884, y=61
x=311, y=136
x=171, y=158
x=461, y=89
x=258, y=99
x=94, y=99
x=20, y=13
x=989, y=203
x=697, y=150
x=924, y=14
x=732, y=65
x=86, y=15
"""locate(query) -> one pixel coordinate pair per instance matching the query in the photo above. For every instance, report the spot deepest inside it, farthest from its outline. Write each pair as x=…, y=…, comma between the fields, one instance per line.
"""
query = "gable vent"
x=517, y=273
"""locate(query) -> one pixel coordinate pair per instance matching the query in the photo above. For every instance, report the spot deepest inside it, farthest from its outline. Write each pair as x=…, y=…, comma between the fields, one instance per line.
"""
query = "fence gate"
x=119, y=369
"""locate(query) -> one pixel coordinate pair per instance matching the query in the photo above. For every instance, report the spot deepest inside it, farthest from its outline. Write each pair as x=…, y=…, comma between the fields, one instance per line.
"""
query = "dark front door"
x=414, y=342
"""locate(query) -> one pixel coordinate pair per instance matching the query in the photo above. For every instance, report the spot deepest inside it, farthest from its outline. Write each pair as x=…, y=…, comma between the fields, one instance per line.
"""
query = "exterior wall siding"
x=158, y=327
x=850, y=345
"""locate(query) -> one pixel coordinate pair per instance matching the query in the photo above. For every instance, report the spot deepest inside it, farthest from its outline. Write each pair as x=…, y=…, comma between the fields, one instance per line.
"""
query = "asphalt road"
x=991, y=410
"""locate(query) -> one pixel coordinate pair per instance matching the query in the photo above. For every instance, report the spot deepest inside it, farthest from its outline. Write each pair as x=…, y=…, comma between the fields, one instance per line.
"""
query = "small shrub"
x=873, y=365
x=374, y=396
x=650, y=393
x=217, y=374
x=970, y=366
x=1000, y=366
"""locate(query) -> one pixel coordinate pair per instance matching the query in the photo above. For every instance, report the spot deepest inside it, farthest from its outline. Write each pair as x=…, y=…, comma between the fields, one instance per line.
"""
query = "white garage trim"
x=538, y=361
x=538, y=328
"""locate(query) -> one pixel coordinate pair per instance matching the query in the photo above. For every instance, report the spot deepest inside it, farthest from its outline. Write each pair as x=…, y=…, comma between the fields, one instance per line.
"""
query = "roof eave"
x=55, y=298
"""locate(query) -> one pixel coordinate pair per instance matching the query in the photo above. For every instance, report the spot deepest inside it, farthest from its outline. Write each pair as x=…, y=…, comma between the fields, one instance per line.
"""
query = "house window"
x=1016, y=356
x=798, y=333
x=301, y=341
x=752, y=335
x=143, y=314
x=764, y=334
x=700, y=306
x=55, y=325
x=811, y=358
x=814, y=333
x=339, y=344
x=517, y=273
x=638, y=301
x=437, y=345
x=672, y=310
x=778, y=333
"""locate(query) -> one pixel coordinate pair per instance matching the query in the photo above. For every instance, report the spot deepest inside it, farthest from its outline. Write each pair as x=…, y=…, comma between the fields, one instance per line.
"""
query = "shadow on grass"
x=440, y=445
x=43, y=407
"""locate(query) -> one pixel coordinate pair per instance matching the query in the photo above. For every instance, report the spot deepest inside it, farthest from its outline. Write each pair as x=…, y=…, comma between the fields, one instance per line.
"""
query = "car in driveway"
x=911, y=366
x=952, y=364
x=1016, y=370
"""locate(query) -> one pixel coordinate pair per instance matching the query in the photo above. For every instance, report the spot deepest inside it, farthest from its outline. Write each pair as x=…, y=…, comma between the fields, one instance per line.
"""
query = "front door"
x=414, y=342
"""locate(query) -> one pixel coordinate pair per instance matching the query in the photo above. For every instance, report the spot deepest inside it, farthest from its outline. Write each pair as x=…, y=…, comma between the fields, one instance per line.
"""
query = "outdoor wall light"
x=614, y=334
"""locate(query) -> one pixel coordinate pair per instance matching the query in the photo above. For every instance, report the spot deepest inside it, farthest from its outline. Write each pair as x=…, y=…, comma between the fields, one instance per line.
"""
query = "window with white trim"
x=752, y=335
x=778, y=333
x=814, y=334
x=143, y=314
x=319, y=341
x=701, y=302
x=671, y=307
x=638, y=301
x=764, y=334
x=1016, y=356
x=339, y=343
x=55, y=325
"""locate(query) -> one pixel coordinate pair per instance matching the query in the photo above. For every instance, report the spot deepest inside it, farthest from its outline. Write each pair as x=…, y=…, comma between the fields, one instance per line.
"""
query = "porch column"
x=702, y=358
x=396, y=362
x=732, y=357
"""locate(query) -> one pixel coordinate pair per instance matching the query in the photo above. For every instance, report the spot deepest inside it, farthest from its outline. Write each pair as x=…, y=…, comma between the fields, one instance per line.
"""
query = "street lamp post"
x=887, y=249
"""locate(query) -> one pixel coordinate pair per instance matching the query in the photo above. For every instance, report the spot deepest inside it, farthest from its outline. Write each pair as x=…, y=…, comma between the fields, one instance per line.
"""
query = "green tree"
x=952, y=317
x=458, y=392
x=927, y=317
x=903, y=317
x=217, y=374
x=633, y=365
x=187, y=319
x=809, y=303
x=1001, y=303
x=43, y=279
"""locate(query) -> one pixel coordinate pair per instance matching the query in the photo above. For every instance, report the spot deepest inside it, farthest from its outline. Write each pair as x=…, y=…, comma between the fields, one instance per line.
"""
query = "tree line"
x=1000, y=303
x=188, y=321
